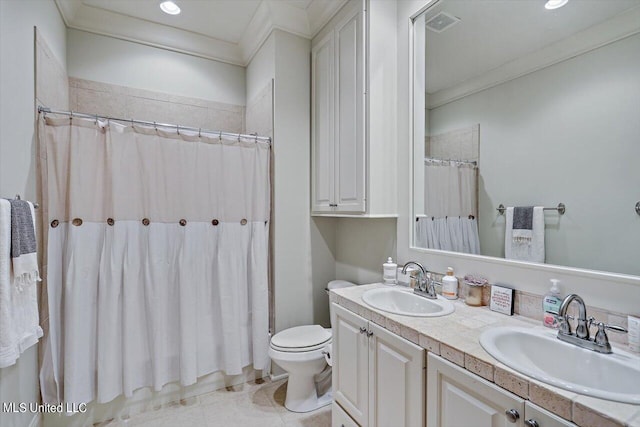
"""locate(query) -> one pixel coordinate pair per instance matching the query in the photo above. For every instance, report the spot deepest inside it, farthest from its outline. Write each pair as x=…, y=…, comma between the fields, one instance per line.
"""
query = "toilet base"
x=302, y=395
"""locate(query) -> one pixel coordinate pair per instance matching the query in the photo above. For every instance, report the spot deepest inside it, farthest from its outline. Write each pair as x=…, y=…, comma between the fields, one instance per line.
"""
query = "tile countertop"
x=455, y=338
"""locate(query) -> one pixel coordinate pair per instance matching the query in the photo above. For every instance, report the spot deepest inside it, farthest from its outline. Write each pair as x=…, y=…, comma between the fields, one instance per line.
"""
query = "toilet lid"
x=301, y=337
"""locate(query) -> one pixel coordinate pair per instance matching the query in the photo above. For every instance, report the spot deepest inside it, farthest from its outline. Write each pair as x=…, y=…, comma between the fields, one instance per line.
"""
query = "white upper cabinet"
x=354, y=112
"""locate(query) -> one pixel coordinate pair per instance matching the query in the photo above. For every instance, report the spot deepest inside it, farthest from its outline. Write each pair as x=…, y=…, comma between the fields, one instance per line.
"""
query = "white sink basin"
x=539, y=354
x=405, y=302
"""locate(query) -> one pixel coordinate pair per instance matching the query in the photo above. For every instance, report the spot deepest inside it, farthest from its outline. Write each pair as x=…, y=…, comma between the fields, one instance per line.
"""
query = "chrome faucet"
x=425, y=286
x=581, y=337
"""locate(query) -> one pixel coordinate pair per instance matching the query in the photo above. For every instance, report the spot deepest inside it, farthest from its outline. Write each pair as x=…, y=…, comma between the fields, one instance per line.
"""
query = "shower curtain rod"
x=461, y=162
x=46, y=110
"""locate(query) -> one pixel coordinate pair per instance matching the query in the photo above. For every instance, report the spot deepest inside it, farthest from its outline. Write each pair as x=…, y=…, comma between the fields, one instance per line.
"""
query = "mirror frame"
x=415, y=250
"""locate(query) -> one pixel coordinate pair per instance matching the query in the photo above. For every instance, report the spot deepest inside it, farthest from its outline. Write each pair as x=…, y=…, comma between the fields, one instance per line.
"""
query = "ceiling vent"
x=441, y=22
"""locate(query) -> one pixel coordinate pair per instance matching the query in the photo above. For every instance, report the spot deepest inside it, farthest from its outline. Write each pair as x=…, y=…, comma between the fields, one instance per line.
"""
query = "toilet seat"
x=301, y=339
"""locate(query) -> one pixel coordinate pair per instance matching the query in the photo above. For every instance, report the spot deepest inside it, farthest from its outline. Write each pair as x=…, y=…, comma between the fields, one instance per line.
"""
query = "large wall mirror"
x=520, y=106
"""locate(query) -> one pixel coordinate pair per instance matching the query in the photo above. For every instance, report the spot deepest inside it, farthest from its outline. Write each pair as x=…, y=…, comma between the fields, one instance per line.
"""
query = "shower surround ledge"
x=455, y=338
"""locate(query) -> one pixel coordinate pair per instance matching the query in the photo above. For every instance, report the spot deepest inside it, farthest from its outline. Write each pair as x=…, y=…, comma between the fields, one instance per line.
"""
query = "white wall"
x=362, y=246
x=291, y=149
x=608, y=291
x=262, y=69
x=567, y=133
x=19, y=383
x=109, y=60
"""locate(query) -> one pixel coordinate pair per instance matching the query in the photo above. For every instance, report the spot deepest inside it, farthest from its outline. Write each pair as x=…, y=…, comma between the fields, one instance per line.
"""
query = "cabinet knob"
x=512, y=415
x=531, y=423
x=363, y=329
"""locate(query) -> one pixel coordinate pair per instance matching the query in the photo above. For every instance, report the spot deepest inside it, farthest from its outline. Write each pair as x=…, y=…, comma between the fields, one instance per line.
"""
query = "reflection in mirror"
x=526, y=107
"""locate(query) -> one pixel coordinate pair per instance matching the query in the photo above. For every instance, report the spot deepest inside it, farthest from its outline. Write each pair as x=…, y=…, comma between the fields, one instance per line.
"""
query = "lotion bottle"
x=389, y=272
x=450, y=285
x=551, y=305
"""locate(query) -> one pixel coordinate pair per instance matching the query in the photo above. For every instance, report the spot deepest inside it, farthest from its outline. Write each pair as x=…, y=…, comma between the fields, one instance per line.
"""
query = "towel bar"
x=36, y=205
x=561, y=208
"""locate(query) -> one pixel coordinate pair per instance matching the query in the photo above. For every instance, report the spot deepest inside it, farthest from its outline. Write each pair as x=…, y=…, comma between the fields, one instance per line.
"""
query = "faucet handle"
x=601, y=338
x=563, y=321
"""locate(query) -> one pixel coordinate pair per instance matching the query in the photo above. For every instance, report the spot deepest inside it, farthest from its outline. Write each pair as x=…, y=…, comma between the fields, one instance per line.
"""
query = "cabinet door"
x=349, y=114
x=339, y=418
x=396, y=380
x=457, y=398
x=539, y=417
x=322, y=129
x=350, y=359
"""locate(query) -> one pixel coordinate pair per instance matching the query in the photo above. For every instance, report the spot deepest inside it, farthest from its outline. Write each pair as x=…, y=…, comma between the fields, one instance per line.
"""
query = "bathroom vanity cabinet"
x=378, y=377
x=456, y=397
x=353, y=117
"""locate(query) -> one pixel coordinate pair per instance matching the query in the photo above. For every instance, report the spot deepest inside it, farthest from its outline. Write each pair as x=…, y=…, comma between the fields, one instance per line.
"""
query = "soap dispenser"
x=551, y=305
x=389, y=272
x=450, y=285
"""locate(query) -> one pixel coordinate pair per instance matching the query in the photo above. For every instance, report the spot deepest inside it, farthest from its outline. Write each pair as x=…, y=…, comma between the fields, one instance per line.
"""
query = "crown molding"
x=612, y=30
x=270, y=15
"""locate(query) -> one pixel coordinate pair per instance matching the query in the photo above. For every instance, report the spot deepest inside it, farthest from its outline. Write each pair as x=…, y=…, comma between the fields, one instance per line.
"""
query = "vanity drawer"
x=339, y=418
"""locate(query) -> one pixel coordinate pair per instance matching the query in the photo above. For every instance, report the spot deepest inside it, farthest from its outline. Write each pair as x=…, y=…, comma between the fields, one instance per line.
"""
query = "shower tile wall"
x=459, y=144
x=119, y=101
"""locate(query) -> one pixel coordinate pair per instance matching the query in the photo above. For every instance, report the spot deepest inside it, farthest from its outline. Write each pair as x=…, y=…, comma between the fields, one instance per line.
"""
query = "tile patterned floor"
x=258, y=403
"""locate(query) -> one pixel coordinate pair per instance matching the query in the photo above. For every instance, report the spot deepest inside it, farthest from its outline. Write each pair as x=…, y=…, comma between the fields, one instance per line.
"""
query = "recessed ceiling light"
x=555, y=4
x=169, y=7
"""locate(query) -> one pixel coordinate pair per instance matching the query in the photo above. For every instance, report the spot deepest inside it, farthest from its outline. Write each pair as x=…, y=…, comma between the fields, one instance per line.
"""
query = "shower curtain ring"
x=199, y=132
x=239, y=137
x=96, y=122
x=220, y=136
x=178, y=129
x=155, y=126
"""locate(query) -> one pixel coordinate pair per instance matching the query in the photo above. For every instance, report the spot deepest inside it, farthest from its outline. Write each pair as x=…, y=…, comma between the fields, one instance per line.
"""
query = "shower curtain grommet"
x=110, y=221
x=183, y=222
x=55, y=223
x=145, y=221
x=215, y=222
x=77, y=222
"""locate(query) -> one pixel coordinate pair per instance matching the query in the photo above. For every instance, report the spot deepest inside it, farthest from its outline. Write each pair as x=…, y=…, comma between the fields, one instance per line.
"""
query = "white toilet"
x=301, y=352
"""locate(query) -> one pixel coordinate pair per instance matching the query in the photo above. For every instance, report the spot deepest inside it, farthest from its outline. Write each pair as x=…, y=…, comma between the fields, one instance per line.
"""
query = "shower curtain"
x=449, y=222
x=157, y=257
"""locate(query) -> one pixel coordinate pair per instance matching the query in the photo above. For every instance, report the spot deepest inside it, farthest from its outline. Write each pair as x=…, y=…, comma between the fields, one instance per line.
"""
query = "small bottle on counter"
x=450, y=285
x=551, y=305
x=389, y=272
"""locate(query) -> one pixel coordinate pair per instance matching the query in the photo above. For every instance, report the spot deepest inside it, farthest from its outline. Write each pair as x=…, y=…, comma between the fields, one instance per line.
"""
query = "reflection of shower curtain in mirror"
x=450, y=218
